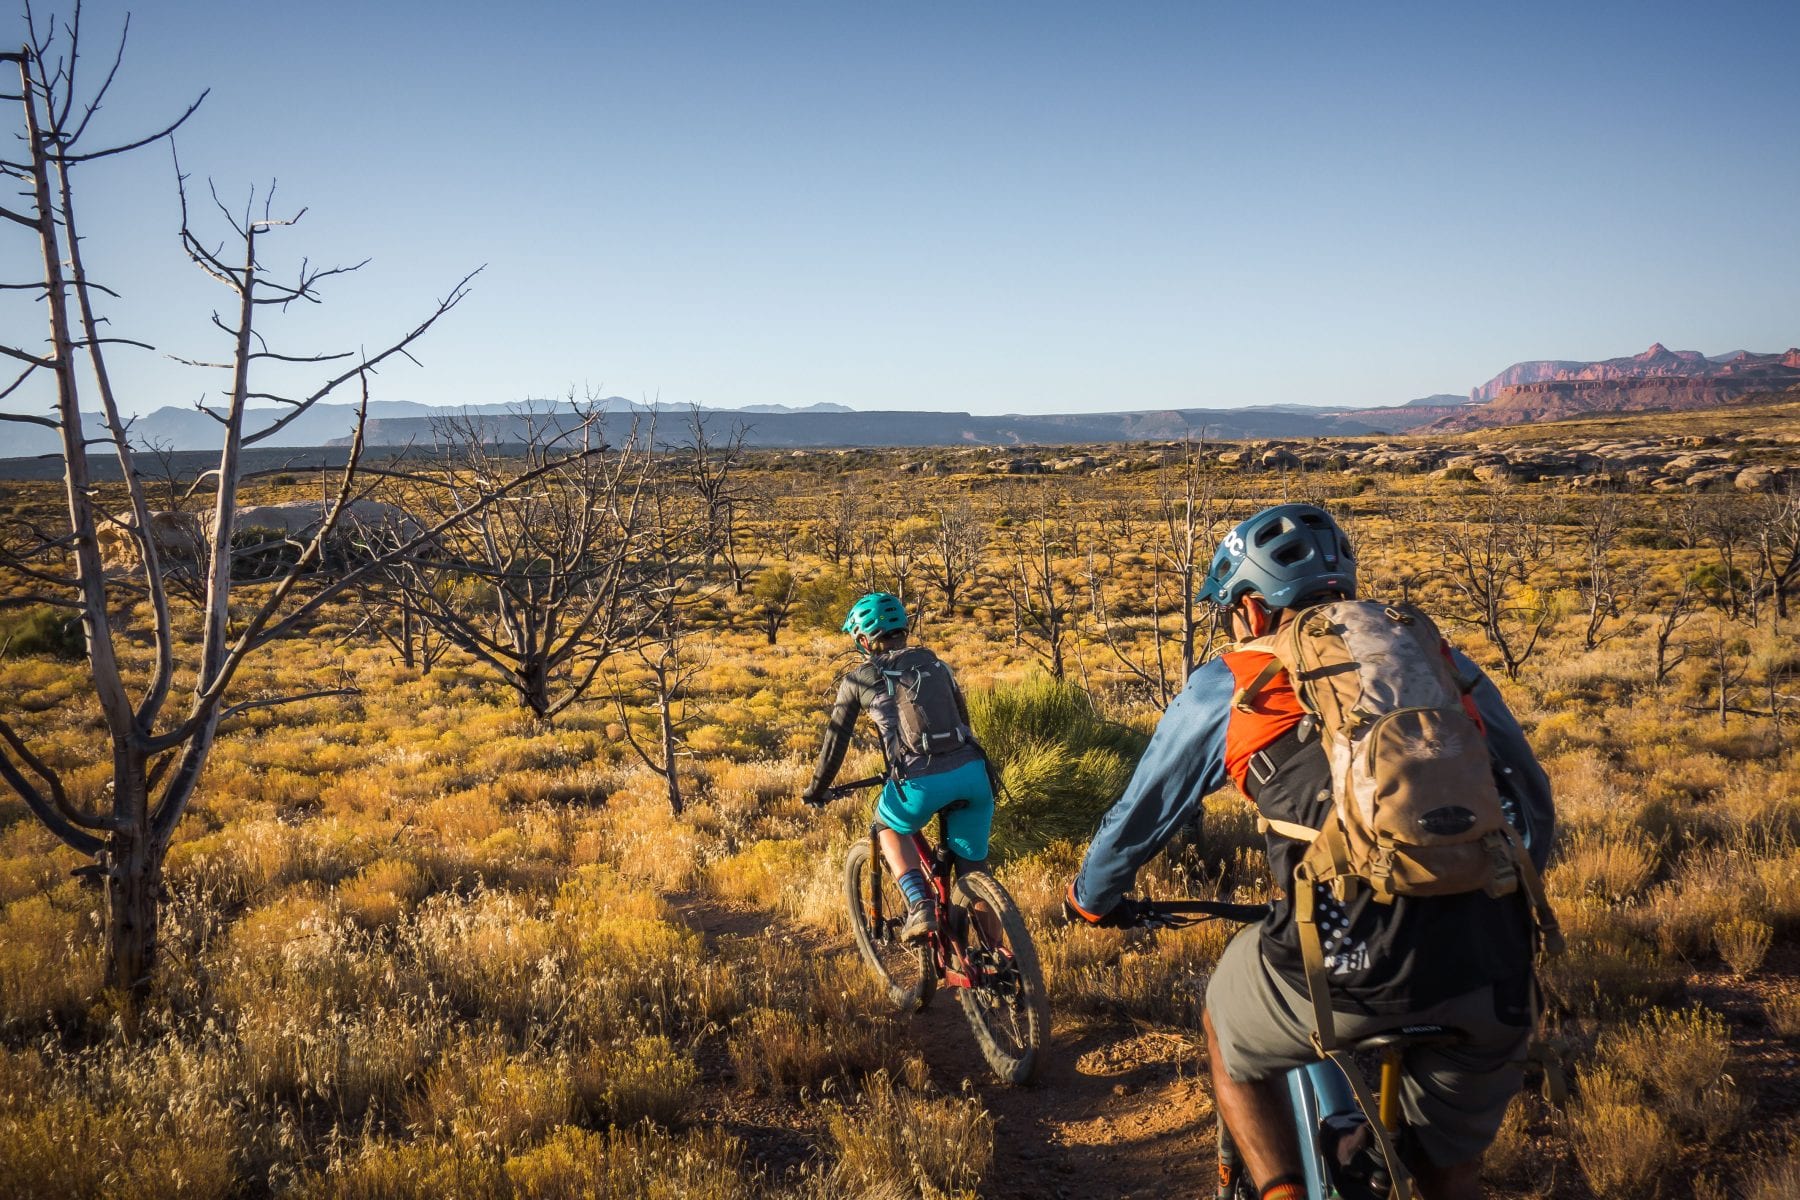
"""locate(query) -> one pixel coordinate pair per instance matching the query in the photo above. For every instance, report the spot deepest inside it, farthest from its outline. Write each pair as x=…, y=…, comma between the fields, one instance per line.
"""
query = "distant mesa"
x=1659, y=378
x=823, y=407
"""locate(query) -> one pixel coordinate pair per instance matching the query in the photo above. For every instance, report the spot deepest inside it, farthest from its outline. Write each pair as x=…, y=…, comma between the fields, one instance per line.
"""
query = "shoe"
x=921, y=922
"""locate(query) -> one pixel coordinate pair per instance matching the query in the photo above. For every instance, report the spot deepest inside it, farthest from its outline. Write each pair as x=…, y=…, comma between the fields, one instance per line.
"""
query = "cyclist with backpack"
x=933, y=761
x=1398, y=796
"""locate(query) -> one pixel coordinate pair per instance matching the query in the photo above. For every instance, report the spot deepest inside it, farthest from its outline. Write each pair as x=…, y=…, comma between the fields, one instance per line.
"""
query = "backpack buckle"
x=1381, y=868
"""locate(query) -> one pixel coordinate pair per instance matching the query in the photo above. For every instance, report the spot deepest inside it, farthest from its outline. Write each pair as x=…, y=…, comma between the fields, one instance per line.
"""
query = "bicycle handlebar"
x=1246, y=913
x=1177, y=914
x=846, y=789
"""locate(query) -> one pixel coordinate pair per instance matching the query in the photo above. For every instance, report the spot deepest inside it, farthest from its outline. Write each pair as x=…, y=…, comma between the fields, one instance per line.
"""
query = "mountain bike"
x=980, y=947
x=1339, y=1157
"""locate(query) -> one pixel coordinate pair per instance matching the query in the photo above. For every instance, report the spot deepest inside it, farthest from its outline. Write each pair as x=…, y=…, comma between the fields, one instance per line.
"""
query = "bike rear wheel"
x=1009, y=1010
x=907, y=970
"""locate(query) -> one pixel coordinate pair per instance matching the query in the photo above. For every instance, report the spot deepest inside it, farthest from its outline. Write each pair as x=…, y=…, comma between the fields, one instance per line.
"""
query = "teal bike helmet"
x=875, y=614
x=1283, y=554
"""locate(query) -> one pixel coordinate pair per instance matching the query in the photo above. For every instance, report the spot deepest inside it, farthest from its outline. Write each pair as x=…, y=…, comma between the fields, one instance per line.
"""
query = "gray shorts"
x=1454, y=1096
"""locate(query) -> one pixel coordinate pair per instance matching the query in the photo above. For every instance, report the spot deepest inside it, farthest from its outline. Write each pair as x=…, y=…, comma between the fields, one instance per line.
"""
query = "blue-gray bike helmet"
x=1283, y=554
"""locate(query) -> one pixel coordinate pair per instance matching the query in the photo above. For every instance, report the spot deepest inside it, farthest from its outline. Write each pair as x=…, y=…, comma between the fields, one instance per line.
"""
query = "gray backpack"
x=928, y=717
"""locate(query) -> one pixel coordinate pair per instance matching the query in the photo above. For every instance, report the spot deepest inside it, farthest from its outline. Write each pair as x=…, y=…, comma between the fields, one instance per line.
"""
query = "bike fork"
x=877, y=865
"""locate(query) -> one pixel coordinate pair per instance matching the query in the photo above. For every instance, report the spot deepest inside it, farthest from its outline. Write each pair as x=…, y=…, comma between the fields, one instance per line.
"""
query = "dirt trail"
x=1116, y=1112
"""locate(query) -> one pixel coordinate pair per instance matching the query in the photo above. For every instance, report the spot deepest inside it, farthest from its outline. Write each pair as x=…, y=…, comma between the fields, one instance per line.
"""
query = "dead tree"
x=710, y=465
x=899, y=549
x=157, y=720
x=547, y=586
x=957, y=541
x=1725, y=526
x=1605, y=597
x=1043, y=596
x=1187, y=520
x=1777, y=538
x=776, y=591
x=1493, y=563
x=1672, y=615
x=664, y=646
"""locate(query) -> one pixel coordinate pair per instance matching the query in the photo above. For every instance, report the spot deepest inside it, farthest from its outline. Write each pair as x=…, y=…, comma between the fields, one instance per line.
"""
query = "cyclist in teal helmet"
x=933, y=761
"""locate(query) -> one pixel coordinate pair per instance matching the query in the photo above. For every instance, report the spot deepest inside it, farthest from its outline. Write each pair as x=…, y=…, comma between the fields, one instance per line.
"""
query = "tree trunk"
x=407, y=658
x=133, y=911
x=672, y=776
x=534, y=687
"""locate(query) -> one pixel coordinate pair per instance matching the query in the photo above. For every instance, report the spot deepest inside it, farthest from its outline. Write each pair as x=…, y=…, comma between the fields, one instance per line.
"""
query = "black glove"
x=815, y=797
x=1126, y=914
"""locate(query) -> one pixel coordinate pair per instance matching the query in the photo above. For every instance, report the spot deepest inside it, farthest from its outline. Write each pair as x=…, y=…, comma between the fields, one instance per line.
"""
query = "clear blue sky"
x=992, y=207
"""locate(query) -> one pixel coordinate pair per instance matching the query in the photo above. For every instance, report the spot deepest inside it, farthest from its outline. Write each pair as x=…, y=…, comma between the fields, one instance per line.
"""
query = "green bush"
x=42, y=629
x=1061, y=763
x=823, y=600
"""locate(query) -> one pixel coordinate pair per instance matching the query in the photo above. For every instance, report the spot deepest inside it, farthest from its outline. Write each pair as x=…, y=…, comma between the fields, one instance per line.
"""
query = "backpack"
x=1416, y=811
x=928, y=718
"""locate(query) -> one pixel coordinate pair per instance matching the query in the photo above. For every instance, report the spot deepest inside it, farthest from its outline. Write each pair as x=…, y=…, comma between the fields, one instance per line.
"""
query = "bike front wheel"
x=1009, y=1009
x=906, y=970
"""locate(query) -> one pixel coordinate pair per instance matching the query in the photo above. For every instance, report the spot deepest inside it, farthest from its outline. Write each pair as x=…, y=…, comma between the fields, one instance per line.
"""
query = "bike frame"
x=949, y=947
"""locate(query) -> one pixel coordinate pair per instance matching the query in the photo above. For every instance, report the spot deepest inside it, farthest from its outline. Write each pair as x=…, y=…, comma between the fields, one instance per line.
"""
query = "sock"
x=1288, y=1187
x=914, y=887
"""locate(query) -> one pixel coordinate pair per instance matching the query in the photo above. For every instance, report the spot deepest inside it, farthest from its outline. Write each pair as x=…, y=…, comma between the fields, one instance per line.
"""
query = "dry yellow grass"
x=419, y=944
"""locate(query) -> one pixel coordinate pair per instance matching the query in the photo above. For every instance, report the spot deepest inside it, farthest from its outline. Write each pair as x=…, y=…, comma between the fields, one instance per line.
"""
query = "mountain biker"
x=933, y=761
x=1461, y=961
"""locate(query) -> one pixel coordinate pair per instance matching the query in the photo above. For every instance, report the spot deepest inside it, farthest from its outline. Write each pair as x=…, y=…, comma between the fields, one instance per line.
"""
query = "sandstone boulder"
x=1757, y=479
x=179, y=538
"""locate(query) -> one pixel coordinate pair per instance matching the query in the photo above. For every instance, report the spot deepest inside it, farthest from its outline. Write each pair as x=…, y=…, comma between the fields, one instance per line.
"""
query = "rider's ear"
x=1256, y=616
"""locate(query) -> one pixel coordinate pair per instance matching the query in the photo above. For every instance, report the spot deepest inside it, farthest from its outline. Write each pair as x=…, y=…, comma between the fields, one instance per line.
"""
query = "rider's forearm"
x=837, y=741
x=1184, y=761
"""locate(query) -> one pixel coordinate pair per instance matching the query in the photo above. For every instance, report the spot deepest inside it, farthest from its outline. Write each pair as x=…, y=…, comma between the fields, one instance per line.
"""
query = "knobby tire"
x=1011, y=1021
x=907, y=971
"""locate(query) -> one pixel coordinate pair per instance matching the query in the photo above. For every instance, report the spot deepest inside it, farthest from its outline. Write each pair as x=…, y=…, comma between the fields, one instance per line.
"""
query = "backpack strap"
x=1532, y=884
x=1287, y=829
x=1246, y=695
x=1263, y=765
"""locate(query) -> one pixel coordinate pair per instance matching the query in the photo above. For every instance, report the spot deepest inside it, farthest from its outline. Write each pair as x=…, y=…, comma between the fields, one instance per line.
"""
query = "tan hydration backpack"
x=1417, y=812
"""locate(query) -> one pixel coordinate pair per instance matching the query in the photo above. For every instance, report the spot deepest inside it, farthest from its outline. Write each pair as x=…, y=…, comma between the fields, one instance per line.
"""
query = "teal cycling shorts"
x=906, y=807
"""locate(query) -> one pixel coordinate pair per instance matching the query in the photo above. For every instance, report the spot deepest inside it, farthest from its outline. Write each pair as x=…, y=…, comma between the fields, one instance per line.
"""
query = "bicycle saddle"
x=1406, y=1036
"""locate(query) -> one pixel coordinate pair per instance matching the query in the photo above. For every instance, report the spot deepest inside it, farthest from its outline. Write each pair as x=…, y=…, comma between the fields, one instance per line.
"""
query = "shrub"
x=1623, y=1149
x=1061, y=763
x=42, y=629
x=901, y=1143
x=822, y=601
x=645, y=1079
x=49, y=962
x=1613, y=867
x=1782, y=1010
x=1743, y=942
x=1777, y=1179
x=1678, y=1059
x=704, y=1165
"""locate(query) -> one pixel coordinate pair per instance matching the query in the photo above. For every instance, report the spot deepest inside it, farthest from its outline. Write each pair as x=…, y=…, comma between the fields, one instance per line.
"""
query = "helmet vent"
x=1291, y=554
